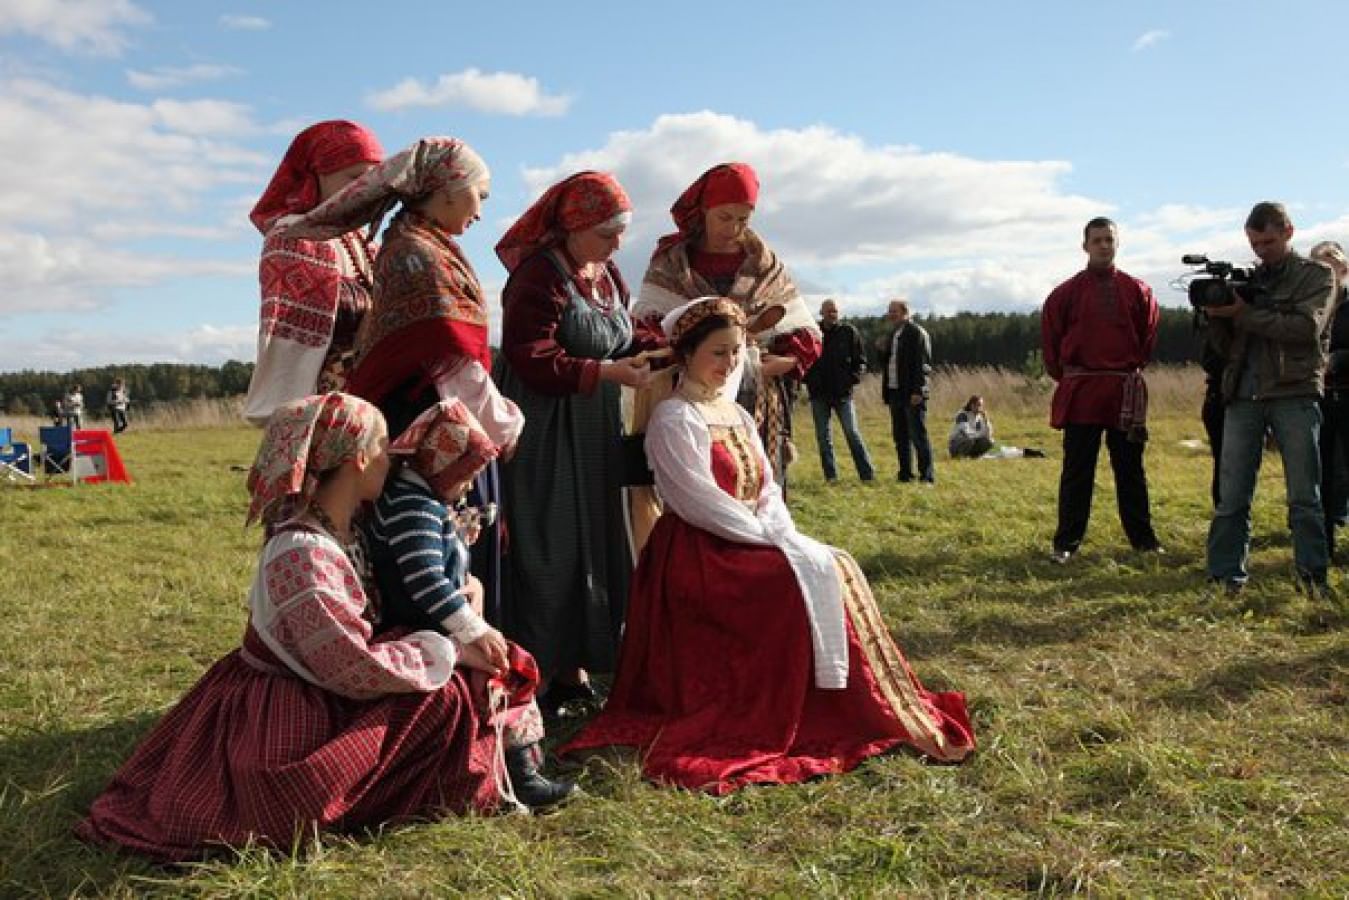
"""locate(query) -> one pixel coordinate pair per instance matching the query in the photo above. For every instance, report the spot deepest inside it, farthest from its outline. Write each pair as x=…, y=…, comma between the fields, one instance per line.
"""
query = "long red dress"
x=715, y=683
x=375, y=730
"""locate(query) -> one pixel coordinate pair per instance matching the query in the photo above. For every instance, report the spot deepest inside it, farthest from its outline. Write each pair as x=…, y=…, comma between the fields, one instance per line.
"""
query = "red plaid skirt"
x=248, y=756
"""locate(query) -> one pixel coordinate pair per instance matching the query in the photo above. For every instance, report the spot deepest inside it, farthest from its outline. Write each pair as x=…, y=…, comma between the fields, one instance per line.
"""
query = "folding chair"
x=58, y=451
x=16, y=462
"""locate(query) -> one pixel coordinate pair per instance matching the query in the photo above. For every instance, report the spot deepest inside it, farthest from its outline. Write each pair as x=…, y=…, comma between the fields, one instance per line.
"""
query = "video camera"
x=1223, y=278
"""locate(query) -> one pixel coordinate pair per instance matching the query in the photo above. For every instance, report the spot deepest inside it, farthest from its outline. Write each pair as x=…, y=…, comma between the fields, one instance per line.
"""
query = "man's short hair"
x=901, y=304
x=1098, y=222
x=1267, y=214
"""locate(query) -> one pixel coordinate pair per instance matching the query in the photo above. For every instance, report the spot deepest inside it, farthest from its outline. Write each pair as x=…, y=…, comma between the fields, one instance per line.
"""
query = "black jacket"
x=840, y=366
x=915, y=362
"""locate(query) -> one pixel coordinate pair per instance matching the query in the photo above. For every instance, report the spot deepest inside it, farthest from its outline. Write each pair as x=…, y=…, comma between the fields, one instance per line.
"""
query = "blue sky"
x=949, y=153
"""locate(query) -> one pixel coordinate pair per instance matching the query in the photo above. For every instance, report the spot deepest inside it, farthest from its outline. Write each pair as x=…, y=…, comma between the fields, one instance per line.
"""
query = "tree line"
x=1002, y=340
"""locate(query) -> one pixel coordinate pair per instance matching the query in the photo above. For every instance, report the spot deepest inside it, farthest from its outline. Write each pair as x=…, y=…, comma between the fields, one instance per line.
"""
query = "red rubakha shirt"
x=1094, y=329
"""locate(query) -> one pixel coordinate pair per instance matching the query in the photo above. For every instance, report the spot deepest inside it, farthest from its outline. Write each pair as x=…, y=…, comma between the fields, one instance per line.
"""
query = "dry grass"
x=202, y=412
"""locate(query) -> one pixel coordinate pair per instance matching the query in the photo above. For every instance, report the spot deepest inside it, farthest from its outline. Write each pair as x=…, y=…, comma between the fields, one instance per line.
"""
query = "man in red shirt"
x=1097, y=330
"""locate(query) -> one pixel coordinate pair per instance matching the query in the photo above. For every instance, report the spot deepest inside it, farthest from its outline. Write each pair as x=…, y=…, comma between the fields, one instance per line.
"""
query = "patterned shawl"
x=318, y=150
x=447, y=447
x=763, y=281
x=427, y=165
x=304, y=439
x=581, y=201
x=429, y=314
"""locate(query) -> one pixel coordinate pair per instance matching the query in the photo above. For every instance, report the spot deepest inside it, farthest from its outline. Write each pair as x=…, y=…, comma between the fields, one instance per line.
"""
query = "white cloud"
x=87, y=158
x=1150, y=39
x=163, y=77
x=501, y=93
x=245, y=23
x=84, y=26
x=204, y=117
x=65, y=350
x=46, y=273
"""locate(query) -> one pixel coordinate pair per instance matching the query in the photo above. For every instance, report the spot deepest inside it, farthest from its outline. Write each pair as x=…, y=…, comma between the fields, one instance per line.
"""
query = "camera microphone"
x=1194, y=259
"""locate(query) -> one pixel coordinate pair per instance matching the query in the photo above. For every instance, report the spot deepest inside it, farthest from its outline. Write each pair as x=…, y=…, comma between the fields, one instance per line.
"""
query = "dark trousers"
x=1212, y=416
x=118, y=420
x=1334, y=449
x=908, y=425
x=1081, y=447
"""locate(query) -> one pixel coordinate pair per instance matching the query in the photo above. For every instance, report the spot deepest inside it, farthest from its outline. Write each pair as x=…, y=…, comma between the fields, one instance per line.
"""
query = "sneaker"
x=1061, y=557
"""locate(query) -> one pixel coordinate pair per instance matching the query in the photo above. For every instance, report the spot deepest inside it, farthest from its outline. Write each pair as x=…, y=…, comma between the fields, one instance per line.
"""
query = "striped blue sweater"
x=421, y=562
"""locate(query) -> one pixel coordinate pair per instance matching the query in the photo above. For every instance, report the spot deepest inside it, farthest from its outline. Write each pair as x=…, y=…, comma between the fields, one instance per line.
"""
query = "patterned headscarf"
x=734, y=182
x=318, y=150
x=581, y=201
x=446, y=446
x=304, y=439
x=428, y=165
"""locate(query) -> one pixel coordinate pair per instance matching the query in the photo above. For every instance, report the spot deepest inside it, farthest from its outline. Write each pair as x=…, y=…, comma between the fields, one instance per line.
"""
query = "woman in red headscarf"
x=567, y=343
x=715, y=252
x=314, y=293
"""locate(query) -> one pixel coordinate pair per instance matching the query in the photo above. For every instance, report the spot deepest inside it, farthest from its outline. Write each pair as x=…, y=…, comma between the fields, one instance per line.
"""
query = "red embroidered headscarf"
x=581, y=201
x=318, y=150
x=304, y=439
x=733, y=182
x=447, y=446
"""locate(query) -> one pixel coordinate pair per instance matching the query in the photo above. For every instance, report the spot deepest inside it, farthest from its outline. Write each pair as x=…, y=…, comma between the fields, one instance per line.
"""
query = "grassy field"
x=1140, y=736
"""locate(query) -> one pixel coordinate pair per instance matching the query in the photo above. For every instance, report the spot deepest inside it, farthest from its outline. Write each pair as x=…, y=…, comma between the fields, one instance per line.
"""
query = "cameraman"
x=1275, y=351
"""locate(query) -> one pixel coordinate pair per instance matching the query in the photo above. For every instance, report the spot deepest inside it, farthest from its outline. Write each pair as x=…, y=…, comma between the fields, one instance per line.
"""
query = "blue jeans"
x=1296, y=423
x=847, y=417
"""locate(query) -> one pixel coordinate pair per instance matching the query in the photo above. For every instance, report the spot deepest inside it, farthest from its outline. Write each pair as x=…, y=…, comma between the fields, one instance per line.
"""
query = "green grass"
x=1140, y=736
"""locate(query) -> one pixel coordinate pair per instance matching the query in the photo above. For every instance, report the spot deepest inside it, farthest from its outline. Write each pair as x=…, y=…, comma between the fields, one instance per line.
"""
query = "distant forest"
x=1004, y=340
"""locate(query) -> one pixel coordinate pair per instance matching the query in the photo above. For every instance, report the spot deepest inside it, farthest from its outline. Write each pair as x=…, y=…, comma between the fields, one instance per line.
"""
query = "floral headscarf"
x=318, y=150
x=582, y=201
x=428, y=165
x=446, y=446
x=304, y=439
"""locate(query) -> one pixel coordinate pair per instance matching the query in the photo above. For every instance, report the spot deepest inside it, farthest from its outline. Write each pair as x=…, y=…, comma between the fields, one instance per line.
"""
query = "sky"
x=949, y=153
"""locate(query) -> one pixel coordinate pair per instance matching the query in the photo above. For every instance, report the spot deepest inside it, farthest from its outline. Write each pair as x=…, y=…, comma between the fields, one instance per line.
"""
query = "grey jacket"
x=1284, y=331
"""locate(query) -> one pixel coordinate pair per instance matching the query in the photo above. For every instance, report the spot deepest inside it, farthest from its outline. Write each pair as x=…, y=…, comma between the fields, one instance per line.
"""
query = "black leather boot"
x=531, y=788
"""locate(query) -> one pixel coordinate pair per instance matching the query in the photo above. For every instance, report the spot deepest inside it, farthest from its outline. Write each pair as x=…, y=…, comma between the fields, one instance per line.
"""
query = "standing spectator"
x=906, y=365
x=972, y=434
x=830, y=382
x=117, y=404
x=1335, y=403
x=1275, y=348
x=72, y=407
x=1097, y=330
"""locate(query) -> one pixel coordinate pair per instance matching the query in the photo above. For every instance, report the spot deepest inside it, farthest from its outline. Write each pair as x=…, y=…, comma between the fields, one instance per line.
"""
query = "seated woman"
x=315, y=723
x=752, y=654
x=418, y=538
x=972, y=434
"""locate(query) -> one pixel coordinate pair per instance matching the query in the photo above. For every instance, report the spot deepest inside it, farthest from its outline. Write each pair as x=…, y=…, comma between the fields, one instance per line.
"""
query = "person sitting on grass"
x=316, y=723
x=972, y=434
x=419, y=536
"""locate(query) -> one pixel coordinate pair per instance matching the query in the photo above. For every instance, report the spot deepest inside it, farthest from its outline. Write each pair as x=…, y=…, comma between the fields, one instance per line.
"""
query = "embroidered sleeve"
x=311, y=616
x=802, y=345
